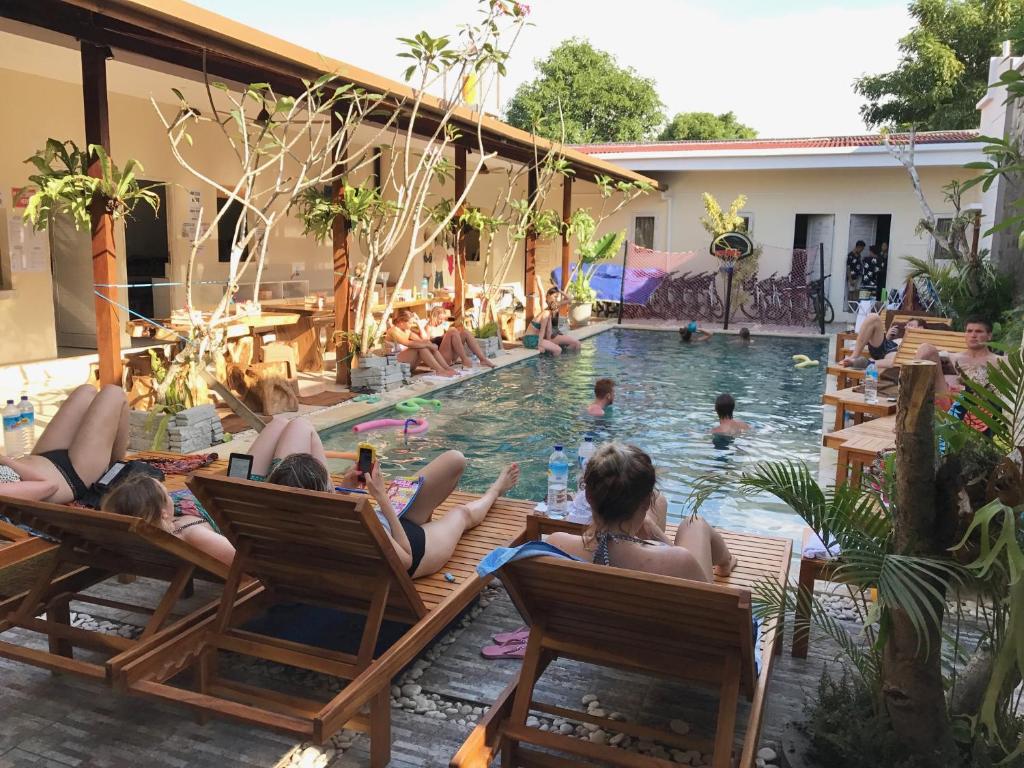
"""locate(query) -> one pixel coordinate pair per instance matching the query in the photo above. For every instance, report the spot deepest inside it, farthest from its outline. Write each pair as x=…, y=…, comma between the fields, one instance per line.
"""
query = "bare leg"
x=442, y=536
x=474, y=346
x=432, y=358
x=265, y=445
x=546, y=345
x=440, y=478
x=300, y=437
x=707, y=546
x=65, y=423
x=94, y=442
x=872, y=331
x=930, y=353
x=457, y=351
x=568, y=341
x=120, y=446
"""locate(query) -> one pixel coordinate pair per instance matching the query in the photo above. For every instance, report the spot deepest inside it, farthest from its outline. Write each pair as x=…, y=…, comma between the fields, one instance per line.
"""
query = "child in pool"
x=604, y=396
x=544, y=333
x=692, y=332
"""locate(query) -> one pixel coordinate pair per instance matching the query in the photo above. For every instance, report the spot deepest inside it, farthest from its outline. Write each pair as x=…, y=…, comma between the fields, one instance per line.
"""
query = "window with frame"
x=226, y=228
x=748, y=221
x=643, y=231
x=943, y=224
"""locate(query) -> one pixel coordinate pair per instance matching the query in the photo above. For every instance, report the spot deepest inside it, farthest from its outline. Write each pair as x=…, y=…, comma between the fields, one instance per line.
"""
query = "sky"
x=785, y=67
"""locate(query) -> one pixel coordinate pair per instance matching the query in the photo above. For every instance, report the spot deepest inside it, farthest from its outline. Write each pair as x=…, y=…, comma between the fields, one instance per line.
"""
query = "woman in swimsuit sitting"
x=412, y=347
x=452, y=341
x=87, y=434
x=880, y=345
x=423, y=544
x=142, y=496
x=620, y=485
x=544, y=333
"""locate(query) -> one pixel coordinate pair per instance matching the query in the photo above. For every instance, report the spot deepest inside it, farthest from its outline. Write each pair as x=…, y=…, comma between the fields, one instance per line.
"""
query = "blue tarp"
x=640, y=283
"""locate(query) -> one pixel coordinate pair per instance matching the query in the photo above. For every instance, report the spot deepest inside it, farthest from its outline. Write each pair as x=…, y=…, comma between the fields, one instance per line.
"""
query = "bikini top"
x=8, y=475
x=603, y=557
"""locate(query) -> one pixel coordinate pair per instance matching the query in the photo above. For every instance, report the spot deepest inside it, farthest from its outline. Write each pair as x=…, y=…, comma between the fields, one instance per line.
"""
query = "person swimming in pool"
x=725, y=404
x=604, y=396
x=544, y=332
x=693, y=332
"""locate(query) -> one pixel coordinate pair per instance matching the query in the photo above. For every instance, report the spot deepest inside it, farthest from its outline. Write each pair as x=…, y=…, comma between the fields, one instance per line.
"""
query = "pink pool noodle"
x=421, y=426
x=366, y=426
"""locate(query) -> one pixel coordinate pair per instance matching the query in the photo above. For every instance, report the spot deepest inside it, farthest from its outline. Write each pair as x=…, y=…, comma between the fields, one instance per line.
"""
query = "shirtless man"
x=725, y=404
x=972, y=363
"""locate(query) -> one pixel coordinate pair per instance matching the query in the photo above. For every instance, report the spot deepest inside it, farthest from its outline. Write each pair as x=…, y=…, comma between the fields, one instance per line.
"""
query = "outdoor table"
x=859, y=445
x=849, y=401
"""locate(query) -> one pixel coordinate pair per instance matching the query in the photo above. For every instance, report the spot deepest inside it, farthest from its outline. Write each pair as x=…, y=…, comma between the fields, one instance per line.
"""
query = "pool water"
x=664, y=403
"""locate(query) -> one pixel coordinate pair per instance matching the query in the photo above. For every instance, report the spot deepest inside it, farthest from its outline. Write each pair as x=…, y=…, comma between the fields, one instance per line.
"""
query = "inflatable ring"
x=806, y=364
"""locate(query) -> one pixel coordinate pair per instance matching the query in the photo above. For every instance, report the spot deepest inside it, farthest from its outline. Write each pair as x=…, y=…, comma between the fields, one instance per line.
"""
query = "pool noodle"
x=340, y=455
x=366, y=426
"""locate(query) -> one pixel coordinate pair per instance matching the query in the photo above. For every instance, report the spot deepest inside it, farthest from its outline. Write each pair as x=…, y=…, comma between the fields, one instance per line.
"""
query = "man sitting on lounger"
x=880, y=345
x=973, y=363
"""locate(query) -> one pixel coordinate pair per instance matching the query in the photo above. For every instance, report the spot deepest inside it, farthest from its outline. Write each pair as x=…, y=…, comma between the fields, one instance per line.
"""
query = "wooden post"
x=530, y=261
x=566, y=215
x=104, y=256
x=343, y=309
x=460, y=249
x=911, y=664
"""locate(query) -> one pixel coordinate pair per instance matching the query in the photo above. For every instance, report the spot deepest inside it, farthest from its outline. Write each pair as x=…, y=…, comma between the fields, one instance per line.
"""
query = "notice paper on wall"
x=30, y=250
x=193, y=213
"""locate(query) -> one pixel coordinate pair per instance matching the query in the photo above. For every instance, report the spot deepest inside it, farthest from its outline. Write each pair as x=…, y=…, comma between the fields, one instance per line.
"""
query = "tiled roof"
x=820, y=142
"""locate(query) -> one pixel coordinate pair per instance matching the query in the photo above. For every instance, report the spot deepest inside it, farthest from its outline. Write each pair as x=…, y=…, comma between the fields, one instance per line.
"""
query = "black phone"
x=365, y=458
x=240, y=465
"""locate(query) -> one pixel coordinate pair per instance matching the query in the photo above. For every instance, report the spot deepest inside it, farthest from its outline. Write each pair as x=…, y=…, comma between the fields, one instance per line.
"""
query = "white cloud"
x=786, y=74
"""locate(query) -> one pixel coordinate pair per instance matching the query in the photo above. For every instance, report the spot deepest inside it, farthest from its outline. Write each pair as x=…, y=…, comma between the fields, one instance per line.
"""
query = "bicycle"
x=817, y=306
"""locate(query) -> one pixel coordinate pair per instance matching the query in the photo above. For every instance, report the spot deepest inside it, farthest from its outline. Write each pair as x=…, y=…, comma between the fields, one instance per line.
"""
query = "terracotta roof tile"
x=820, y=142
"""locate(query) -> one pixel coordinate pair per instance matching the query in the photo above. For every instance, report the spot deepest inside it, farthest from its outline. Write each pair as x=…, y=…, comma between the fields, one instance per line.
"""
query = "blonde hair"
x=137, y=496
x=619, y=479
x=439, y=312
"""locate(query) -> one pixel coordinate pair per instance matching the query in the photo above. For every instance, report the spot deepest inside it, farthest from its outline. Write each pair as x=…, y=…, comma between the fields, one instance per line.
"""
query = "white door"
x=862, y=227
x=71, y=253
x=821, y=229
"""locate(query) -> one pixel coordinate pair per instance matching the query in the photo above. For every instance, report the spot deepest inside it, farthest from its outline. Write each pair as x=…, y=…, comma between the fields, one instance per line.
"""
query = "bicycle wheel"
x=830, y=313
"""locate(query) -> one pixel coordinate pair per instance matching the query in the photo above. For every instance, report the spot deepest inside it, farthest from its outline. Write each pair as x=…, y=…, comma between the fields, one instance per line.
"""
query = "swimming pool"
x=664, y=403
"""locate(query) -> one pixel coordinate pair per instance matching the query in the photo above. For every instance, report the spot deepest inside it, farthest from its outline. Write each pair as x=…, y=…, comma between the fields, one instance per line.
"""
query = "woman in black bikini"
x=87, y=434
x=620, y=483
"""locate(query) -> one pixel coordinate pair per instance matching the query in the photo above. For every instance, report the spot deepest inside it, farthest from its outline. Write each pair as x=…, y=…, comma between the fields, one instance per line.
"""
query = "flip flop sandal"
x=515, y=636
x=510, y=651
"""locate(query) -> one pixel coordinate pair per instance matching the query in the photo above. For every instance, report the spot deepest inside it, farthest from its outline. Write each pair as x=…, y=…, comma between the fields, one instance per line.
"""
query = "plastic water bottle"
x=583, y=455
x=558, y=483
x=12, y=434
x=27, y=423
x=871, y=384
x=425, y=287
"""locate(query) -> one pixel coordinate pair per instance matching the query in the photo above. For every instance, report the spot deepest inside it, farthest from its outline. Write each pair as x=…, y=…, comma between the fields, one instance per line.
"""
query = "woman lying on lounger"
x=87, y=434
x=620, y=488
x=142, y=496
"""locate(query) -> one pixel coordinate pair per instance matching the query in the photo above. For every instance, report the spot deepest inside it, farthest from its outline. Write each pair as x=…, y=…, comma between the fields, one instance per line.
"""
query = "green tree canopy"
x=704, y=126
x=943, y=72
x=596, y=98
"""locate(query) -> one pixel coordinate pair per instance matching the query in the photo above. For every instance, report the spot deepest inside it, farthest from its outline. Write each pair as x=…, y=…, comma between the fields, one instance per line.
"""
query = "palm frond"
x=1000, y=405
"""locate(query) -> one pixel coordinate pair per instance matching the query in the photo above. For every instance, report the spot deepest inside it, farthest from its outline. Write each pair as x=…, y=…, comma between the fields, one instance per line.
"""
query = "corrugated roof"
x=747, y=145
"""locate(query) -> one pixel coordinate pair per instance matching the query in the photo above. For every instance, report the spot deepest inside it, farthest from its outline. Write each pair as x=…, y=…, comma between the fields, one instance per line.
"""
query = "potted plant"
x=589, y=254
x=490, y=341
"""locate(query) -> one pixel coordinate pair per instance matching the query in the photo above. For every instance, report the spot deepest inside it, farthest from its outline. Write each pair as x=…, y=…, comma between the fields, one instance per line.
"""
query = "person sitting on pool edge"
x=544, y=333
x=604, y=396
x=453, y=340
x=725, y=404
x=412, y=348
x=880, y=345
x=692, y=332
x=620, y=482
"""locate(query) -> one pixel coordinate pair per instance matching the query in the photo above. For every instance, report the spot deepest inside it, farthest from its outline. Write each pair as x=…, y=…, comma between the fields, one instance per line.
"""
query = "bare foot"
x=486, y=363
x=449, y=372
x=725, y=570
x=507, y=479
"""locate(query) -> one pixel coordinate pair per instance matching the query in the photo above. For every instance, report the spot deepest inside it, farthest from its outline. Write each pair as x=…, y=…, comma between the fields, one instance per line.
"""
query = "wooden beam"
x=460, y=250
x=530, y=251
x=342, y=285
x=104, y=256
x=566, y=215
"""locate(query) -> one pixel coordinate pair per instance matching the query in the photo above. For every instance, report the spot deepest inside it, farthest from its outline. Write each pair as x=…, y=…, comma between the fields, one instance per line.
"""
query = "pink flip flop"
x=515, y=636
x=509, y=651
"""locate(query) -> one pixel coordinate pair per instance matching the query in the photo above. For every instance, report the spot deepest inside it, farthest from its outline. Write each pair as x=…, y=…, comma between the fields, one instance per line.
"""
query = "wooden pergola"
x=170, y=32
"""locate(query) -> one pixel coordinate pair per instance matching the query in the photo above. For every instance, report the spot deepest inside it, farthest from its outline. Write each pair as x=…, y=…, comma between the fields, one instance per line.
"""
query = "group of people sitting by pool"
x=435, y=344
x=952, y=371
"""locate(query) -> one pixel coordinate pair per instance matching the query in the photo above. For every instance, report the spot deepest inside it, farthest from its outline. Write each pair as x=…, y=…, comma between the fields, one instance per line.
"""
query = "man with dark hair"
x=854, y=270
x=972, y=363
x=604, y=396
x=725, y=404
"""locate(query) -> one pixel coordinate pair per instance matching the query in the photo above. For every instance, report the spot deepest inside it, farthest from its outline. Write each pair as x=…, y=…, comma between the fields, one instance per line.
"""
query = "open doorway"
x=867, y=257
x=147, y=256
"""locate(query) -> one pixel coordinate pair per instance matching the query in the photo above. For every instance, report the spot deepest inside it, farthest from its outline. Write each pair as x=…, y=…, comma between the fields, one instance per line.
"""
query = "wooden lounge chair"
x=655, y=625
x=96, y=546
x=22, y=557
x=947, y=341
x=328, y=550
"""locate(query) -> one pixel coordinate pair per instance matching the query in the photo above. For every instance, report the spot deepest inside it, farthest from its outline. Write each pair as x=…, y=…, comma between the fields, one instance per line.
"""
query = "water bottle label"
x=10, y=423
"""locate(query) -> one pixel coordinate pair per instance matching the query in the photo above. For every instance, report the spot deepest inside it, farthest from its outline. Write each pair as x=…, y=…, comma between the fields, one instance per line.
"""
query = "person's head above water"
x=745, y=333
x=725, y=404
x=620, y=482
x=604, y=389
x=685, y=334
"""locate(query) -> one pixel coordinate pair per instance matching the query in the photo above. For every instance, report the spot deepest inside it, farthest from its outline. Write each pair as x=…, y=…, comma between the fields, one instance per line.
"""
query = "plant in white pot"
x=589, y=254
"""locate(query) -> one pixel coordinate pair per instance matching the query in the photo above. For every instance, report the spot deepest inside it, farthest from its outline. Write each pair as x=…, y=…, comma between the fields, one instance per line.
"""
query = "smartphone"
x=240, y=465
x=106, y=482
x=366, y=458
